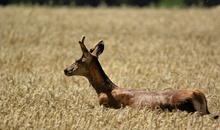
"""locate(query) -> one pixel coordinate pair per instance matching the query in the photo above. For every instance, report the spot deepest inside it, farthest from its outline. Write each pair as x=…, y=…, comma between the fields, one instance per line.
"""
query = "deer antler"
x=82, y=39
x=83, y=47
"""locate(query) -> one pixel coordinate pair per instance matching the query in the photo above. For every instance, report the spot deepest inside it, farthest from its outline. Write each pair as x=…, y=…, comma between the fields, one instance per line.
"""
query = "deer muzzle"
x=69, y=71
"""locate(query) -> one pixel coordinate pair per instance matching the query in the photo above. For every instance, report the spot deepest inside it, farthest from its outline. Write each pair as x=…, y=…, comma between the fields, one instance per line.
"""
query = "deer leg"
x=200, y=104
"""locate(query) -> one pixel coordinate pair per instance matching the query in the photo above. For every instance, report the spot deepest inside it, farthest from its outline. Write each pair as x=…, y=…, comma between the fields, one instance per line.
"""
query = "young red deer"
x=110, y=95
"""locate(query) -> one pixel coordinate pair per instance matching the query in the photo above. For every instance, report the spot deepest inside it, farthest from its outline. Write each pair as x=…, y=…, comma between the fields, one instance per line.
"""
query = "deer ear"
x=98, y=49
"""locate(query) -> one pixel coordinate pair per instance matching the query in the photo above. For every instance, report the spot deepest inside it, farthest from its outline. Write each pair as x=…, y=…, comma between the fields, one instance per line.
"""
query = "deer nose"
x=65, y=71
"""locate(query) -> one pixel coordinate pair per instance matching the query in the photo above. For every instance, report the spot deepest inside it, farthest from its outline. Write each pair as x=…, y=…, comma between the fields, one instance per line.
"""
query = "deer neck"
x=99, y=80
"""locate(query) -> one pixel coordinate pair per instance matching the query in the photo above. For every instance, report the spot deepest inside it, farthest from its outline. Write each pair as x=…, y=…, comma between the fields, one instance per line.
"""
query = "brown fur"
x=110, y=95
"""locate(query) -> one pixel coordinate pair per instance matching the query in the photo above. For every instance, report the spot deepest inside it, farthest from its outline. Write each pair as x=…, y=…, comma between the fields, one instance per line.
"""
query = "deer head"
x=82, y=66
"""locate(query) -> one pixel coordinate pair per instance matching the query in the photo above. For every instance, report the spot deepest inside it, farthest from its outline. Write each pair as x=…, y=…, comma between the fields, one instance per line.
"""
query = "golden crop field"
x=149, y=49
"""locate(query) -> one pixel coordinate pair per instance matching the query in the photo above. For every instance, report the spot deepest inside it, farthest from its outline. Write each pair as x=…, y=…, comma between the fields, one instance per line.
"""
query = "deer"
x=112, y=96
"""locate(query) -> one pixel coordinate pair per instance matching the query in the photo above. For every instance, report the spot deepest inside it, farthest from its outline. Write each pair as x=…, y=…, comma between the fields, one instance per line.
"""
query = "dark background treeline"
x=95, y=3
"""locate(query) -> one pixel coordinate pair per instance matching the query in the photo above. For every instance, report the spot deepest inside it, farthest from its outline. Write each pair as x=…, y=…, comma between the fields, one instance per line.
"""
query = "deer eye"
x=83, y=59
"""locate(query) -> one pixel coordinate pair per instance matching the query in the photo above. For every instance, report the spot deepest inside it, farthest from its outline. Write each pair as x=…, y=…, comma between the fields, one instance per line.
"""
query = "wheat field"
x=149, y=49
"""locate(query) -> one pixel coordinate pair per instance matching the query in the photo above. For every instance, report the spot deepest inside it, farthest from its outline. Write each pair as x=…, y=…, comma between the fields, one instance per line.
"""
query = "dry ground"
x=150, y=49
